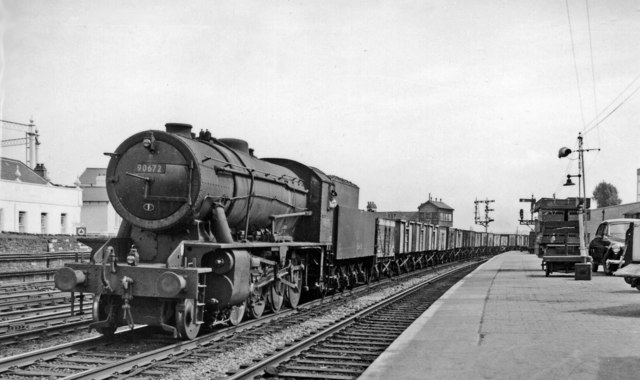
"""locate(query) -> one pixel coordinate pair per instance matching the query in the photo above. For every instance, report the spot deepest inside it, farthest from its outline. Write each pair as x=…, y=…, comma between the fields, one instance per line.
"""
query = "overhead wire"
x=596, y=122
x=595, y=92
x=593, y=70
x=575, y=62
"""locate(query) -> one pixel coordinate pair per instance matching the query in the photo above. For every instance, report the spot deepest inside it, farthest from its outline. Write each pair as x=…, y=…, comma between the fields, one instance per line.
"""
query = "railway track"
x=156, y=355
x=30, y=311
x=345, y=350
x=33, y=300
x=22, y=287
x=52, y=323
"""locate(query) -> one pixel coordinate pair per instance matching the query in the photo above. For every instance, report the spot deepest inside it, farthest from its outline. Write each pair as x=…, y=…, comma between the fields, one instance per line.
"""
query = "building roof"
x=440, y=205
x=90, y=175
x=14, y=170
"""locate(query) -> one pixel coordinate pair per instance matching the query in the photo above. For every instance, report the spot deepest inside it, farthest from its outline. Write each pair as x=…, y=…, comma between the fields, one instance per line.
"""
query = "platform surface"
x=506, y=320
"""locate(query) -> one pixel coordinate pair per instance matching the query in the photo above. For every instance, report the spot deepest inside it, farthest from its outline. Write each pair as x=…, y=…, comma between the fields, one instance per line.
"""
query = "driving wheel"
x=275, y=296
x=293, y=295
x=257, y=303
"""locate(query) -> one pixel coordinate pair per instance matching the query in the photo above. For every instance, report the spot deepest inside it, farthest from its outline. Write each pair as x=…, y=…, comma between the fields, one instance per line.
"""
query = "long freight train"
x=211, y=234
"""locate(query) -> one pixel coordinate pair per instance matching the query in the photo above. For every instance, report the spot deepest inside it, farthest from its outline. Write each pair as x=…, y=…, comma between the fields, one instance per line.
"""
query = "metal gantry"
x=31, y=140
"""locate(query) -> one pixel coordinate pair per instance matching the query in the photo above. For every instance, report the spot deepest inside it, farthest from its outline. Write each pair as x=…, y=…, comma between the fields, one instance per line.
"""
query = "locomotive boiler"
x=209, y=233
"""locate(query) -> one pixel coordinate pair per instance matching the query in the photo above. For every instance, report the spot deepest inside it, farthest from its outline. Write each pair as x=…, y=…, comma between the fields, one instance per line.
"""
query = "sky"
x=457, y=100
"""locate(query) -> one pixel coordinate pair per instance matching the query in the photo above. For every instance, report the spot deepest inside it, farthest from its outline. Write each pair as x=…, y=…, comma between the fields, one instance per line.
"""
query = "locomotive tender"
x=211, y=233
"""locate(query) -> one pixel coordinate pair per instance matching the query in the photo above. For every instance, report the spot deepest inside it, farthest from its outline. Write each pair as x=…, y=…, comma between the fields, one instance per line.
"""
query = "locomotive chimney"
x=179, y=129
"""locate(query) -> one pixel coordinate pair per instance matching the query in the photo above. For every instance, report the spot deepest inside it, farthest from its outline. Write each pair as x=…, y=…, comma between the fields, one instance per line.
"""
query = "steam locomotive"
x=211, y=234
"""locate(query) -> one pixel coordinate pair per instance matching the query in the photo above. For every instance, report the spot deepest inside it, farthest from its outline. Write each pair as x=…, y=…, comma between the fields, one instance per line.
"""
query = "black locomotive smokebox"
x=179, y=129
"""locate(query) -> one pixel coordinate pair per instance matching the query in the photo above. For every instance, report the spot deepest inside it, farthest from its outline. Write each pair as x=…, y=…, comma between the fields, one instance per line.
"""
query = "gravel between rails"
x=220, y=365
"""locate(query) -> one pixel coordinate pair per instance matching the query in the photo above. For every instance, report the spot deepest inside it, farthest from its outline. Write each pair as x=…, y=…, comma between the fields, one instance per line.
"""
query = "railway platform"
x=506, y=320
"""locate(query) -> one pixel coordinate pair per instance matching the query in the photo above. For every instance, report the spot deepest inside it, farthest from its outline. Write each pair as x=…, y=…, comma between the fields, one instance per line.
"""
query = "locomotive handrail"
x=207, y=158
x=280, y=216
x=267, y=178
x=259, y=196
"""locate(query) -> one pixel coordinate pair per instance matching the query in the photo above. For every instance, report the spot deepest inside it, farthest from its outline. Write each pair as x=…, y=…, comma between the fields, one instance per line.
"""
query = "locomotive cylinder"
x=231, y=284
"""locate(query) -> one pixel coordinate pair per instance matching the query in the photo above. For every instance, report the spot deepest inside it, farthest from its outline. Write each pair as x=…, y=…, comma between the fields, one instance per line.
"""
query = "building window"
x=22, y=221
x=63, y=223
x=43, y=223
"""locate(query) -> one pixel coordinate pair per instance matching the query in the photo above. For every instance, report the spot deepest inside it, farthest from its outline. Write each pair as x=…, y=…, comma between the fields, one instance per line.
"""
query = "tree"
x=371, y=207
x=606, y=194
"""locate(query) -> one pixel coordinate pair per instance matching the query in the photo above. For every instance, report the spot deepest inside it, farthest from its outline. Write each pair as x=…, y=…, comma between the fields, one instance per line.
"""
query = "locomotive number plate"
x=151, y=168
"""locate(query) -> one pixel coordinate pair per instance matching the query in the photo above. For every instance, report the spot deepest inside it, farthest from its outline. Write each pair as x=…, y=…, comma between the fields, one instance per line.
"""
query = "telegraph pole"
x=478, y=220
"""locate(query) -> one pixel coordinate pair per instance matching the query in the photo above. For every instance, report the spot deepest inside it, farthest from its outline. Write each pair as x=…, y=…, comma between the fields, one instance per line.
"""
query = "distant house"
x=436, y=212
x=432, y=211
x=30, y=203
x=98, y=216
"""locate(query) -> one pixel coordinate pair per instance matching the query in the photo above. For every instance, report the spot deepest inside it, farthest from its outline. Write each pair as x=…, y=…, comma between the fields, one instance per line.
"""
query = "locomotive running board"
x=197, y=249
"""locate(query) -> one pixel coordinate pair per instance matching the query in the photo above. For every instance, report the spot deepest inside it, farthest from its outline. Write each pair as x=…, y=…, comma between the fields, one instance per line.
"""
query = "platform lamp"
x=582, y=191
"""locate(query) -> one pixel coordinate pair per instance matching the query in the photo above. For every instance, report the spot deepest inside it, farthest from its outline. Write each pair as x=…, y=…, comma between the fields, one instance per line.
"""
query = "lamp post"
x=581, y=205
x=582, y=191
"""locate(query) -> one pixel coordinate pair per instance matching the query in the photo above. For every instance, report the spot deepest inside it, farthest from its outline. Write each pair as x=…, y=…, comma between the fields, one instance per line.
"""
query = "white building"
x=98, y=216
x=30, y=203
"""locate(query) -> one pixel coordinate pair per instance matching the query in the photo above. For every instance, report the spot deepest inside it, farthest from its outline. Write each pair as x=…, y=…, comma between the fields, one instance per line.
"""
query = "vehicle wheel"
x=292, y=297
x=186, y=319
x=236, y=313
x=106, y=307
x=275, y=296
x=594, y=266
x=547, y=270
x=257, y=303
x=627, y=279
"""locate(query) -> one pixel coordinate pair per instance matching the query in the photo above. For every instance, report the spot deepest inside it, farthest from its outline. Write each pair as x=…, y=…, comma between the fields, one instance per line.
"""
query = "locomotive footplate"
x=194, y=250
x=144, y=280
